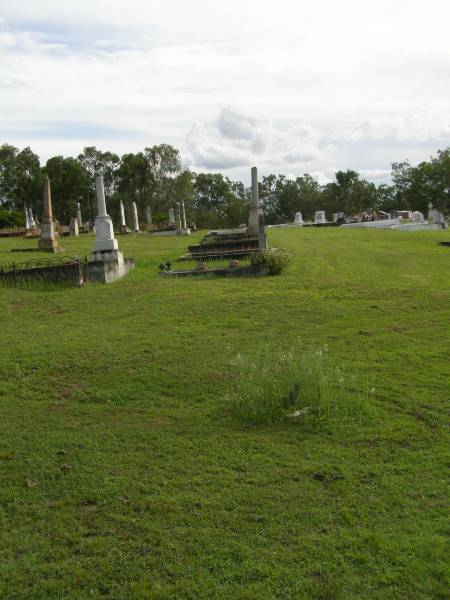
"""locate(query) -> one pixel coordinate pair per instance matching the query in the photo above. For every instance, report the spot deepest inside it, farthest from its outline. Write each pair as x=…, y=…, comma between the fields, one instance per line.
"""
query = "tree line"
x=157, y=178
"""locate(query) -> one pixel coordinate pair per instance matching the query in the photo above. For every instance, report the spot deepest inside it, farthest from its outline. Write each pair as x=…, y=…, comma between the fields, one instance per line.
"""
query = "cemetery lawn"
x=124, y=475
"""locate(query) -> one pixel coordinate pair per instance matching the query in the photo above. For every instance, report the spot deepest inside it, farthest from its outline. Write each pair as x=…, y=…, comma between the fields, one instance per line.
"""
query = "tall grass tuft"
x=301, y=386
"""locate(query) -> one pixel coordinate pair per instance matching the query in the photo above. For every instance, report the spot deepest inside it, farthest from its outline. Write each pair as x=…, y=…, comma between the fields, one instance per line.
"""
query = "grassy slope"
x=169, y=497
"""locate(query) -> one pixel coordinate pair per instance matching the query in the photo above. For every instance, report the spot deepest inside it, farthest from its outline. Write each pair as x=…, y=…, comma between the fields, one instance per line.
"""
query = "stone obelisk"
x=123, y=223
x=253, y=219
x=183, y=215
x=27, y=221
x=135, y=218
x=148, y=213
x=80, y=222
x=106, y=247
x=48, y=241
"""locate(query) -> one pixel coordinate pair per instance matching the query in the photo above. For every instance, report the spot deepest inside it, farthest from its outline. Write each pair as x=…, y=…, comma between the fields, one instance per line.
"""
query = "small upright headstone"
x=48, y=241
x=135, y=218
x=319, y=217
x=298, y=218
x=418, y=217
x=74, y=228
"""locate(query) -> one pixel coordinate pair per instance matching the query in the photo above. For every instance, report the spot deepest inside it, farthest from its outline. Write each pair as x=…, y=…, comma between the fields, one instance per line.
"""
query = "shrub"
x=11, y=218
x=299, y=385
x=275, y=259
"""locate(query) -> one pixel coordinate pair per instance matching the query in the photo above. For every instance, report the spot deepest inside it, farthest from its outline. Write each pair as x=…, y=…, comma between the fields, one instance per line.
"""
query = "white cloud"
x=300, y=87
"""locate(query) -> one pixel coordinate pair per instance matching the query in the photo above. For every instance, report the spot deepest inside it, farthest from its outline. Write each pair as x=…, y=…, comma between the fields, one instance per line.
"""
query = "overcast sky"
x=288, y=85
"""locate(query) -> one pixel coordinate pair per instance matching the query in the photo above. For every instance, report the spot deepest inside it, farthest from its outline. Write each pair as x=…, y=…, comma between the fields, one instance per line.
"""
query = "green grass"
x=125, y=475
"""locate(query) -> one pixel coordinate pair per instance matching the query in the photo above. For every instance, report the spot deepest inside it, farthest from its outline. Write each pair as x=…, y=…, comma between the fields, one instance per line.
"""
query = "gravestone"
x=80, y=222
x=106, y=247
x=122, y=224
x=148, y=214
x=74, y=228
x=253, y=219
x=183, y=216
x=437, y=218
x=172, y=218
x=298, y=218
x=31, y=219
x=418, y=217
x=135, y=218
x=48, y=241
x=319, y=217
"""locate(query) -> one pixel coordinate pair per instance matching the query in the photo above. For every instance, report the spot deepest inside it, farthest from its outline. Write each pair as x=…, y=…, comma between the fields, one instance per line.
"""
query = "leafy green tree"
x=11, y=218
x=20, y=178
x=69, y=184
x=350, y=194
x=216, y=204
x=165, y=164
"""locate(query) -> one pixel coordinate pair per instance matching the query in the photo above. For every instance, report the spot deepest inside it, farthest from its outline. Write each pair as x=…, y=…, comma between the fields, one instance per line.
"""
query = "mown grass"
x=125, y=475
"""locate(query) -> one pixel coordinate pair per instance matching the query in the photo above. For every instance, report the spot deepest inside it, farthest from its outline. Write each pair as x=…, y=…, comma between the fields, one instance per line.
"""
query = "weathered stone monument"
x=74, y=228
x=298, y=219
x=48, y=241
x=418, y=217
x=31, y=219
x=253, y=218
x=80, y=222
x=319, y=217
x=122, y=224
x=183, y=216
x=135, y=218
x=148, y=214
x=27, y=221
x=172, y=218
x=106, y=247
x=107, y=263
x=436, y=217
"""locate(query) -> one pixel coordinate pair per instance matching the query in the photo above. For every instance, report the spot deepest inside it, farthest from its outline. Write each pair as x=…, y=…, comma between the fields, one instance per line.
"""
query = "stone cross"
x=48, y=241
x=135, y=218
